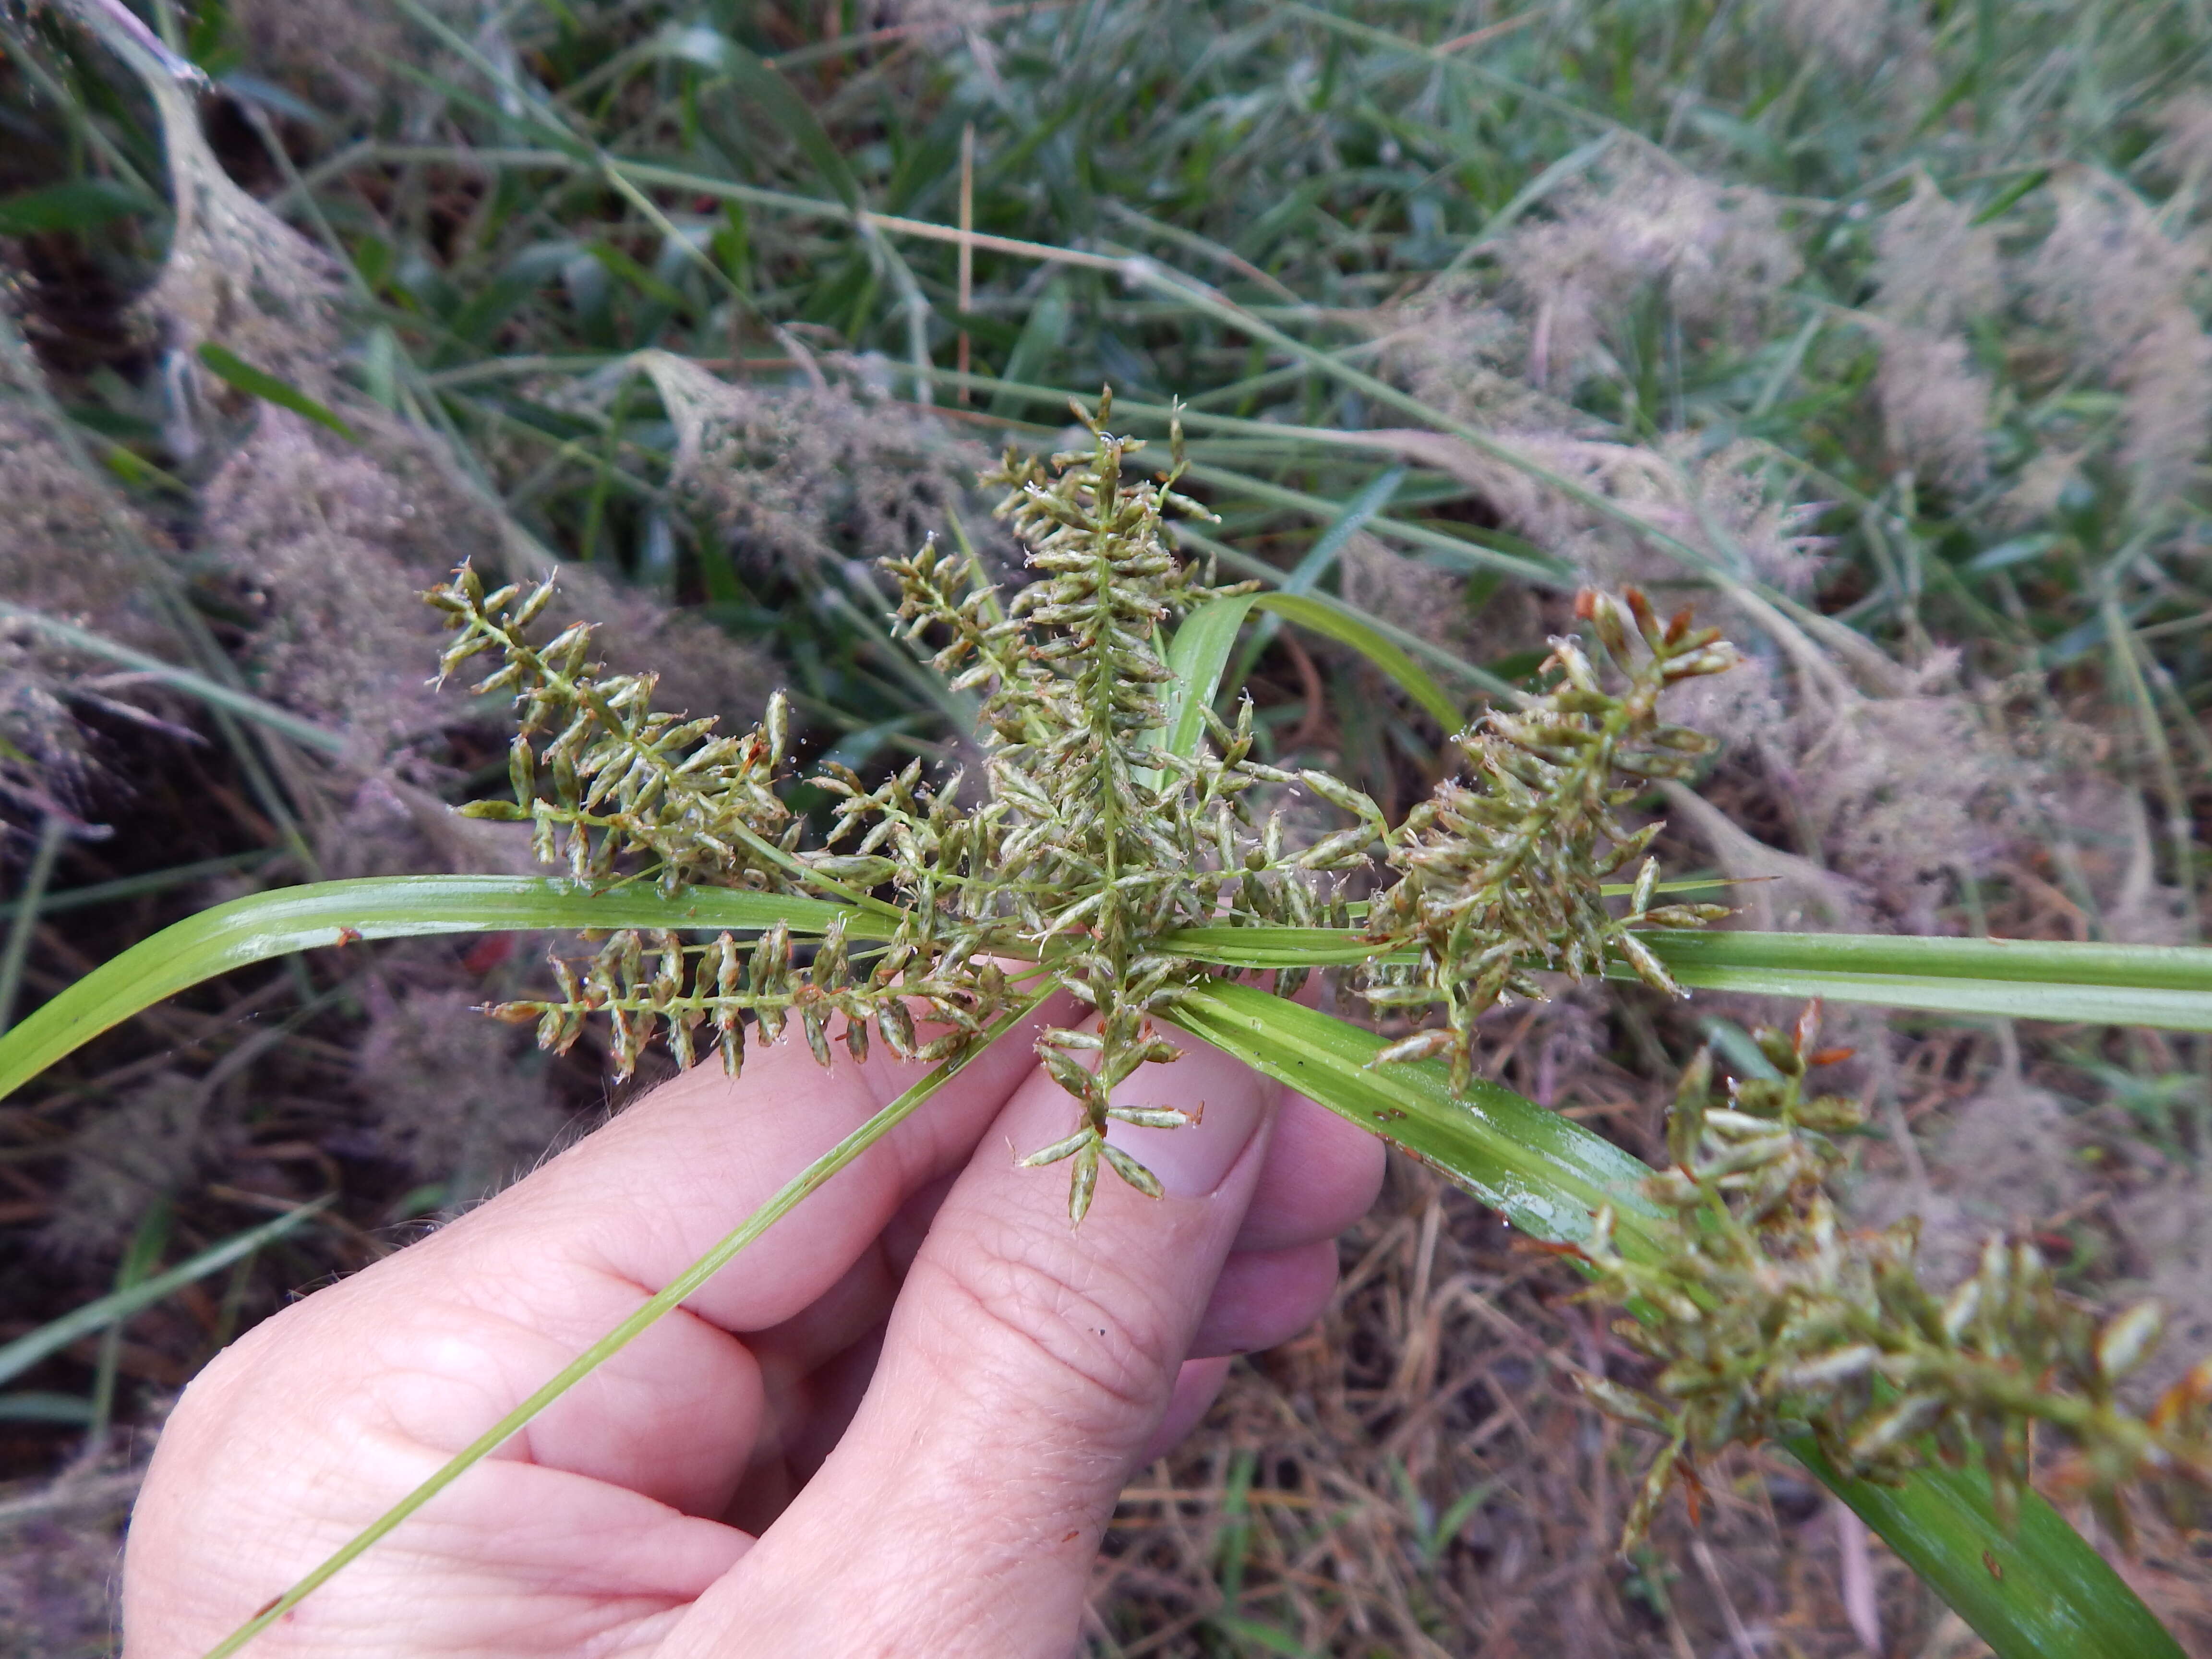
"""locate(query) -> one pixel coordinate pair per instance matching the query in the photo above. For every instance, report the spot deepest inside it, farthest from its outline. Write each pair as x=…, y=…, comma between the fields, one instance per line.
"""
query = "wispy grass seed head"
x=1935, y=268
x=236, y=275
x=797, y=475
x=1718, y=253
x=1935, y=406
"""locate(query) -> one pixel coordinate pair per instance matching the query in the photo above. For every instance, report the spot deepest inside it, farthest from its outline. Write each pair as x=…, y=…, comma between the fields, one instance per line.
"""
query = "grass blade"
x=1324, y=616
x=768, y=93
x=1272, y=947
x=1329, y=547
x=2166, y=987
x=338, y=912
x=2036, y=1592
x=1199, y=655
x=53, y=830
x=1246, y=564
x=25, y=1352
x=82, y=205
x=1542, y=1171
x=305, y=733
x=229, y=365
x=2013, y=961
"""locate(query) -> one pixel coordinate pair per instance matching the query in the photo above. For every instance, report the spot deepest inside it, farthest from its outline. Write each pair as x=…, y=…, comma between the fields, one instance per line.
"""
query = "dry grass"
x=1975, y=374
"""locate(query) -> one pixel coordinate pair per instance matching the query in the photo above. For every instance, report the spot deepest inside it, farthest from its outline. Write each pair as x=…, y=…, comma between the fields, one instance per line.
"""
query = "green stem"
x=802, y=1186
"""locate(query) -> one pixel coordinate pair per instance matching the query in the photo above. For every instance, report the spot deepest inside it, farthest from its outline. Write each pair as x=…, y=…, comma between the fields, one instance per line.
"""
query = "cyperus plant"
x=1123, y=844
x=1095, y=843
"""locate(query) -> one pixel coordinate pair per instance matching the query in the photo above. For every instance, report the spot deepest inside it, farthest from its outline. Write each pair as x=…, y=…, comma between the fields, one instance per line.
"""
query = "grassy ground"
x=1875, y=330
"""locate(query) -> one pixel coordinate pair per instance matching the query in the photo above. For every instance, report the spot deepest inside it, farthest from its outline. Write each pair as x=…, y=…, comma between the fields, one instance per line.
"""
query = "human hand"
x=897, y=1424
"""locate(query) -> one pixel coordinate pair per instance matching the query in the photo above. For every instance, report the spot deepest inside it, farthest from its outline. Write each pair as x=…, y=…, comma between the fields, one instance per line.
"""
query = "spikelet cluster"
x=1769, y=1318
x=1097, y=839
x=1501, y=875
x=1094, y=842
x=616, y=789
x=600, y=774
x=649, y=983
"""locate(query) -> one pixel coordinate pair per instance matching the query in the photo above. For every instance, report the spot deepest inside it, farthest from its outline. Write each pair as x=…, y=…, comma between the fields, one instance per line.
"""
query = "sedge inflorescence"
x=1503, y=874
x=1768, y=1317
x=1095, y=841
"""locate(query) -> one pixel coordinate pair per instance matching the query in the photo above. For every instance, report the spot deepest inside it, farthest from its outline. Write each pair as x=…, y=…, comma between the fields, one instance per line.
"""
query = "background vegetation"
x=1877, y=330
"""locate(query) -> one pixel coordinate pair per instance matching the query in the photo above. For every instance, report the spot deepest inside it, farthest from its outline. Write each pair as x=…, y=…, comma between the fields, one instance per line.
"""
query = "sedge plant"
x=1124, y=841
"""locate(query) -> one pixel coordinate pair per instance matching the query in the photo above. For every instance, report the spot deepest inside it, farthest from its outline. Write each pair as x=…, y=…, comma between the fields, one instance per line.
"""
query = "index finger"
x=644, y=1197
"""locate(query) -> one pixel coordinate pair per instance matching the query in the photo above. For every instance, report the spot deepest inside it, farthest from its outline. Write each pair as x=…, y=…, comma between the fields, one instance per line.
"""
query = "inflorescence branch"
x=1768, y=1317
x=1093, y=843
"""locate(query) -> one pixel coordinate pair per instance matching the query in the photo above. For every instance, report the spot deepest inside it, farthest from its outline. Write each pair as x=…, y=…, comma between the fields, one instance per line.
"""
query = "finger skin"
x=1197, y=1386
x=1026, y=1369
x=1322, y=1174
x=321, y=1417
x=1264, y=1297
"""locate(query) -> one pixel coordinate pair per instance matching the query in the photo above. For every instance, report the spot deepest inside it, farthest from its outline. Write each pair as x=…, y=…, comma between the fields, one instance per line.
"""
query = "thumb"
x=1024, y=1370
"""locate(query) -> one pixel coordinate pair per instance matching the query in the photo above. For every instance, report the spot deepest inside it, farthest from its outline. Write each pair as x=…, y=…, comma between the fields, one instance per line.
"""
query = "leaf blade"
x=765, y=85
x=80, y=204
x=2152, y=967
x=26, y=1351
x=1543, y=1171
x=2166, y=987
x=2031, y=1593
x=1198, y=656
x=1323, y=615
x=227, y=365
x=338, y=912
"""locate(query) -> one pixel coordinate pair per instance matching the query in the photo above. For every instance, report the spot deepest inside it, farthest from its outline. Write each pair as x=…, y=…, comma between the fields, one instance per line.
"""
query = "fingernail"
x=1193, y=1162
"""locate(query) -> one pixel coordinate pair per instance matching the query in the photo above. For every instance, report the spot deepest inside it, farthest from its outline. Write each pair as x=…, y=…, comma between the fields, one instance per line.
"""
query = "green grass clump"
x=1877, y=334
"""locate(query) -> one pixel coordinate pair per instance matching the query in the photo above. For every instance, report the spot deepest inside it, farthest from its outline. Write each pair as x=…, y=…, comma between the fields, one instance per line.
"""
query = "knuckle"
x=1058, y=1327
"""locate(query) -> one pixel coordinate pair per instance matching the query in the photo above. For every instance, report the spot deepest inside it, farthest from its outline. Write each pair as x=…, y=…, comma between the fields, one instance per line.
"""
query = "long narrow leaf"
x=2166, y=987
x=1198, y=655
x=1328, y=618
x=1545, y=1173
x=339, y=913
x=1332, y=542
x=305, y=733
x=1272, y=947
x=80, y=204
x=773, y=96
x=1247, y=564
x=259, y=383
x=2092, y=1005
x=2035, y=1591
x=2016, y=961
x=25, y=1352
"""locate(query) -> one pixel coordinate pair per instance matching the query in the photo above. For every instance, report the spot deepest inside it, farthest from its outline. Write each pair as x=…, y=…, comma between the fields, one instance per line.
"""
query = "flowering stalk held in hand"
x=1095, y=841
